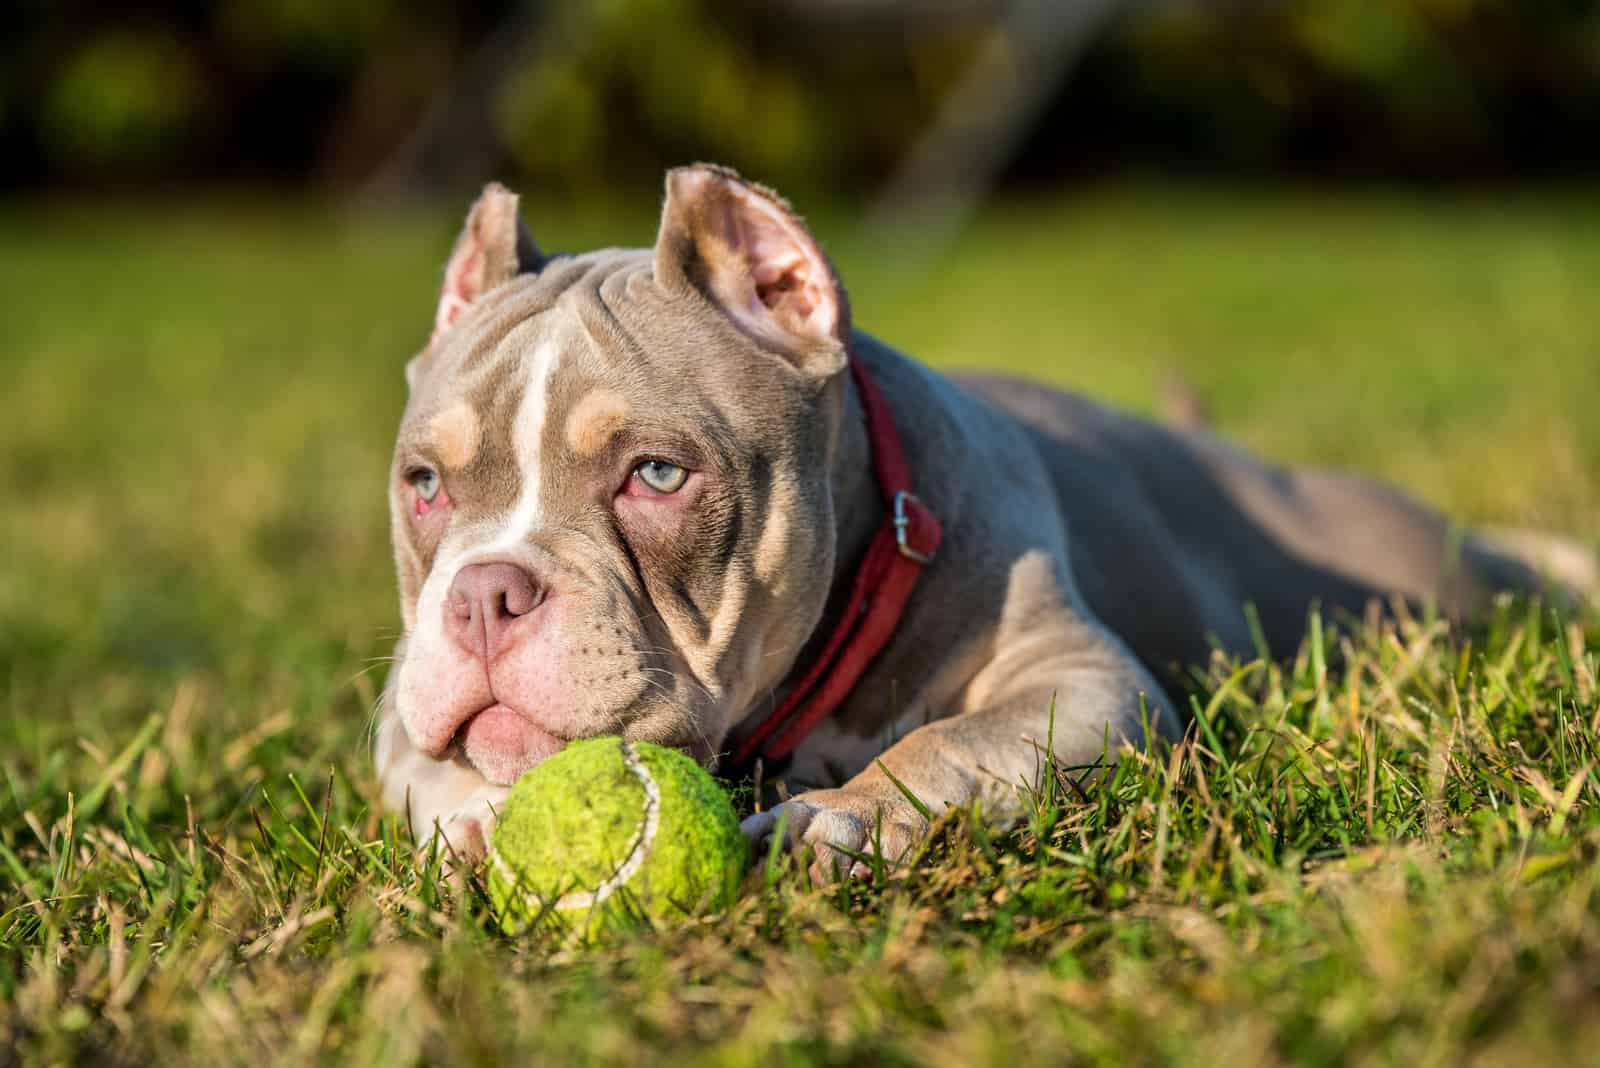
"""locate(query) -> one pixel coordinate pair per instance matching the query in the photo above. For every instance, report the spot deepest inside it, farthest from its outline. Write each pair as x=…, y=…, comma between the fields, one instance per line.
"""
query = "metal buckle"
x=902, y=525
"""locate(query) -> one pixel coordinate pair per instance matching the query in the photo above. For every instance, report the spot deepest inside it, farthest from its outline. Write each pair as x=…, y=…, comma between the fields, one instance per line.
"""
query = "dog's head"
x=611, y=494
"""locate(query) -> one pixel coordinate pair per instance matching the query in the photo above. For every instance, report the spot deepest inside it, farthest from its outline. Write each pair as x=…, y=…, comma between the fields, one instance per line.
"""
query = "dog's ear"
x=740, y=245
x=494, y=247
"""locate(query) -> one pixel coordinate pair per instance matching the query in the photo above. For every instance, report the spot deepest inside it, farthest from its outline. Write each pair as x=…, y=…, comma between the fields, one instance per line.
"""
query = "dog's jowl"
x=646, y=492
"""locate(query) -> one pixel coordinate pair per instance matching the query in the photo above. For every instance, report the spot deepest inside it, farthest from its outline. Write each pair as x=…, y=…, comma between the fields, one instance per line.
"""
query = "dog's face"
x=611, y=499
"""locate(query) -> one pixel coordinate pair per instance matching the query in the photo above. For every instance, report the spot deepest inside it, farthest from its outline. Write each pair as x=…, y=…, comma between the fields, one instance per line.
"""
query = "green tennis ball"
x=607, y=833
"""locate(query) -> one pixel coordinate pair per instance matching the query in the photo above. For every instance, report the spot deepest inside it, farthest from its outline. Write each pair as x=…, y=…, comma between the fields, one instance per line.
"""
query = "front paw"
x=461, y=837
x=844, y=829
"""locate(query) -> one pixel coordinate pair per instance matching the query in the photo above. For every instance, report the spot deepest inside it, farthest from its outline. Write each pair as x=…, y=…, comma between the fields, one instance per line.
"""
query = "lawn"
x=1385, y=850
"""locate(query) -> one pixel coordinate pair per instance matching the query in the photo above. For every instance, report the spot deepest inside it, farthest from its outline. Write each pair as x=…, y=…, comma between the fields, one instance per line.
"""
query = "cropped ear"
x=740, y=245
x=494, y=247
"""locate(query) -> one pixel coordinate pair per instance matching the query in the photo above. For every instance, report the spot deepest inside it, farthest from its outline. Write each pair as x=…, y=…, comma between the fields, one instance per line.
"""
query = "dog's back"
x=1174, y=530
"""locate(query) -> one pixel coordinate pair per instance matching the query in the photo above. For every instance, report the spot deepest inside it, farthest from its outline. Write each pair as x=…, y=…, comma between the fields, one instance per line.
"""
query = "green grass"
x=1383, y=851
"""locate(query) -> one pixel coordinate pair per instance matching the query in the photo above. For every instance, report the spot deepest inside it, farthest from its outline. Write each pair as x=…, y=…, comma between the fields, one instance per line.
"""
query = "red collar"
x=888, y=573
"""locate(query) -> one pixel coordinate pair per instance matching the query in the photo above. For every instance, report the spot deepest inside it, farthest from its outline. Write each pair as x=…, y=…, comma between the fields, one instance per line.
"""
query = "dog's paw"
x=844, y=829
x=461, y=838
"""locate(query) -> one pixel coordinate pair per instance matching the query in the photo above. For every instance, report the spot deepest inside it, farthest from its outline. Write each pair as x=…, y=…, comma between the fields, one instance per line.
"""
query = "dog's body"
x=632, y=487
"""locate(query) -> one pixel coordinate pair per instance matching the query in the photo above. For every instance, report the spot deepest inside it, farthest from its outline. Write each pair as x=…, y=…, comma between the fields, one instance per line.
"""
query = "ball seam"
x=638, y=851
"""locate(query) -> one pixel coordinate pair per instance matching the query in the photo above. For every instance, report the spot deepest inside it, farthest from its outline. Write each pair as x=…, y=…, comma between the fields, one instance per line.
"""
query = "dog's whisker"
x=690, y=680
x=374, y=718
x=369, y=669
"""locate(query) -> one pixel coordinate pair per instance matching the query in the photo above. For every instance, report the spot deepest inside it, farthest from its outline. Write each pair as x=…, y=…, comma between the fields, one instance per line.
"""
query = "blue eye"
x=426, y=482
x=661, y=476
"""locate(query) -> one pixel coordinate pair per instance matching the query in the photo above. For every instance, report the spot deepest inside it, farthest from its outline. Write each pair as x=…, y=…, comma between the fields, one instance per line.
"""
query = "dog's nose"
x=486, y=603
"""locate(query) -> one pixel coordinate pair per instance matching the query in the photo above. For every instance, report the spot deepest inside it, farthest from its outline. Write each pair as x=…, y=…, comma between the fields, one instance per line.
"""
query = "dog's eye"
x=661, y=476
x=426, y=482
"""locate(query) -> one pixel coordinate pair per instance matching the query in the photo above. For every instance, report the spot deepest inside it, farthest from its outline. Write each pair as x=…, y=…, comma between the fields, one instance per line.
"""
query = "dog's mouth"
x=503, y=743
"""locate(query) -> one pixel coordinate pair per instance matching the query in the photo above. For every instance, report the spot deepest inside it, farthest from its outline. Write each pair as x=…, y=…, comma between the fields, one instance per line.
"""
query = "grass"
x=1383, y=851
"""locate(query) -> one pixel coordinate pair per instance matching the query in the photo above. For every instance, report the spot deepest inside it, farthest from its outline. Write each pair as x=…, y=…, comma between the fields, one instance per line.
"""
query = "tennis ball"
x=608, y=832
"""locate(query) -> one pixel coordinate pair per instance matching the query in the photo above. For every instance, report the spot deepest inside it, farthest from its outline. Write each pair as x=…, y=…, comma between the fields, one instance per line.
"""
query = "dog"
x=643, y=492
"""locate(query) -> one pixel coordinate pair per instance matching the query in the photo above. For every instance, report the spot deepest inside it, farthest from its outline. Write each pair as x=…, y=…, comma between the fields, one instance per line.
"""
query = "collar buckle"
x=902, y=527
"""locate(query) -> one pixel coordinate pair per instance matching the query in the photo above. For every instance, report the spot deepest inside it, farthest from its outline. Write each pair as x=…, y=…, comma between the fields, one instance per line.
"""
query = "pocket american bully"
x=674, y=494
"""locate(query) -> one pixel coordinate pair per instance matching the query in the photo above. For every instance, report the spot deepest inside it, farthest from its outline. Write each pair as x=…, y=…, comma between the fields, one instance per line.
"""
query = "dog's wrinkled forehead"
x=548, y=370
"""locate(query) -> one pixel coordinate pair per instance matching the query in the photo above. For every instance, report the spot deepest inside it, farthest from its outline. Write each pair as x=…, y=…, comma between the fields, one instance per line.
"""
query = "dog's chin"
x=502, y=743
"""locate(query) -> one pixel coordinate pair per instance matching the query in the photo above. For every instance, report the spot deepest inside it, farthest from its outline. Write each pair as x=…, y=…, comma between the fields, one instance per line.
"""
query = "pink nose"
x=487, y=605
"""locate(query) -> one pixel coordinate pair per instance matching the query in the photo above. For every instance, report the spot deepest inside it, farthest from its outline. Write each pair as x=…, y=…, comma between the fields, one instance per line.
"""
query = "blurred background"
x=822, y=95
x=1367, y=234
